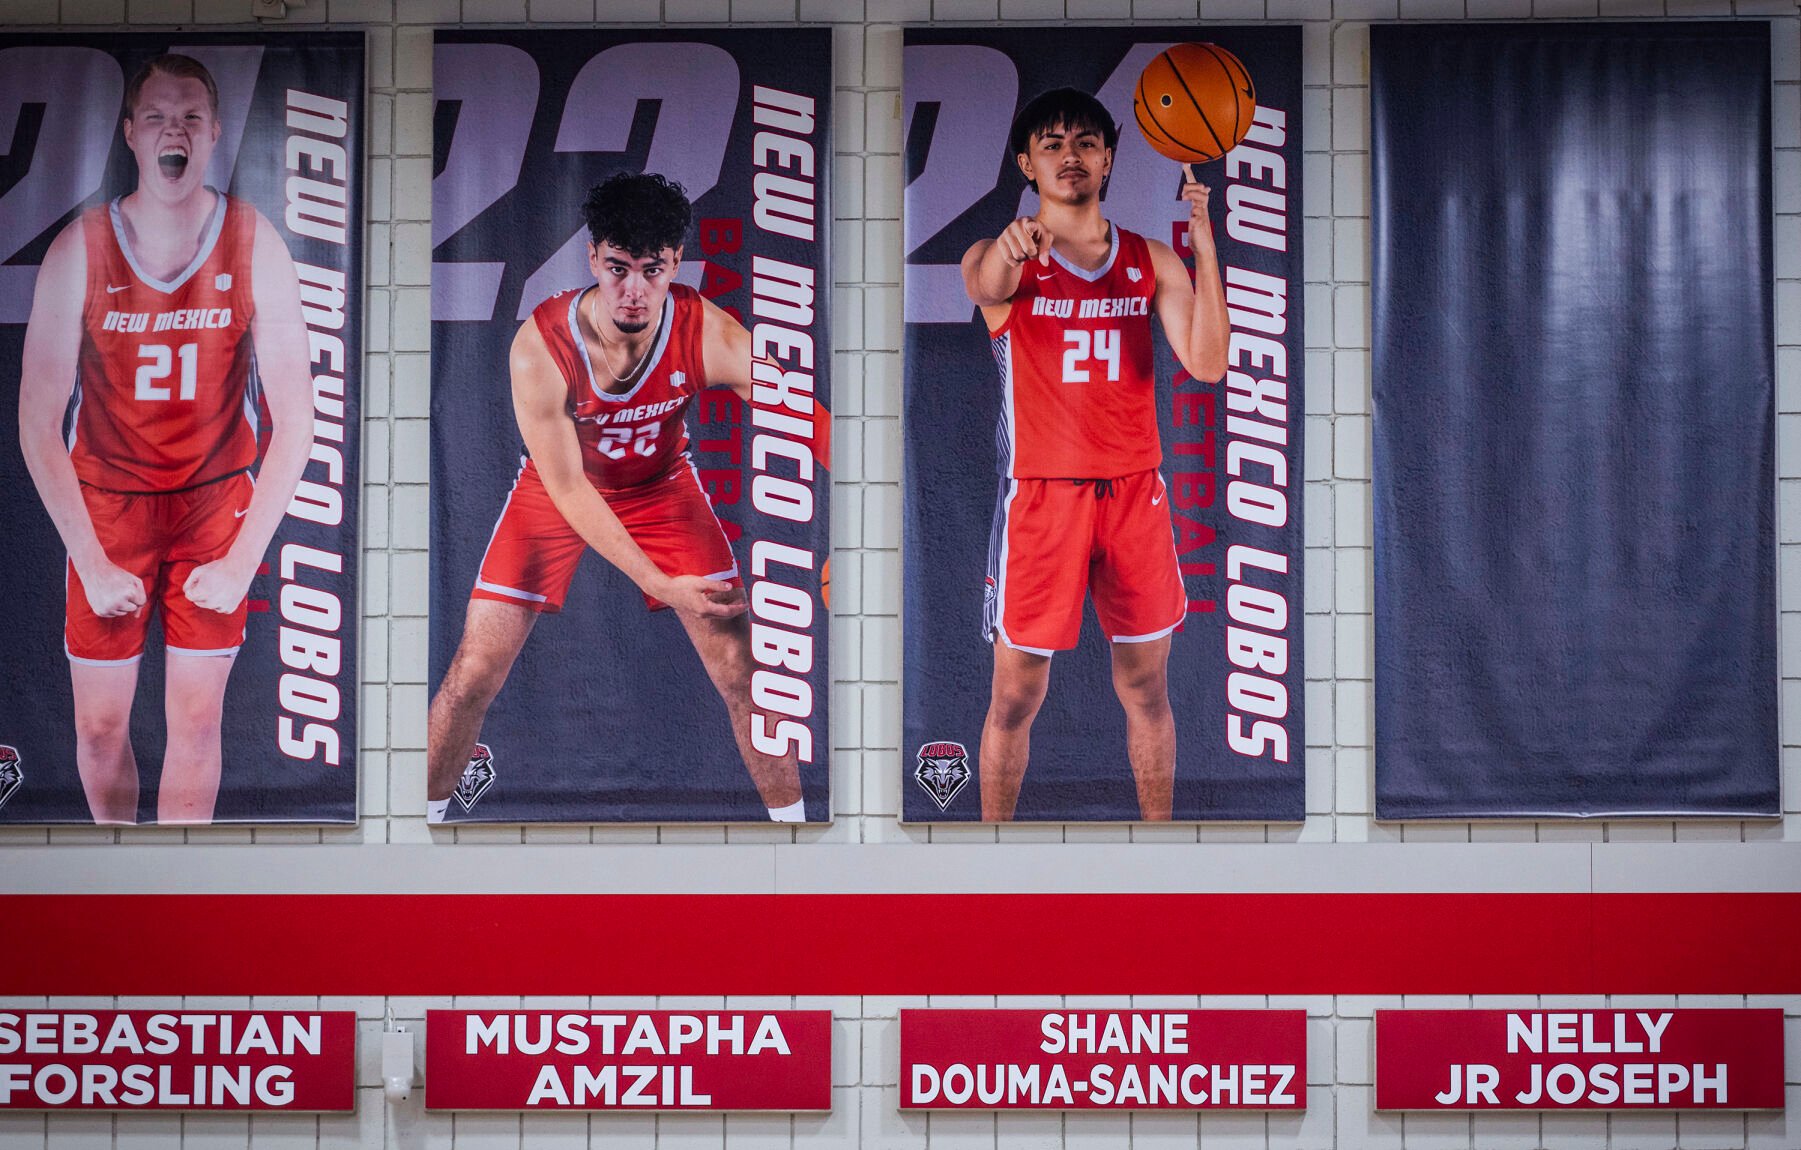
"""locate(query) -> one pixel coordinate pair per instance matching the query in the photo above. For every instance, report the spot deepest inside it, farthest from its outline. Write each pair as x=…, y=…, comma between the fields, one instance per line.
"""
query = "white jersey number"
x=616, y=442
x=1086, y=347
x=160, y=366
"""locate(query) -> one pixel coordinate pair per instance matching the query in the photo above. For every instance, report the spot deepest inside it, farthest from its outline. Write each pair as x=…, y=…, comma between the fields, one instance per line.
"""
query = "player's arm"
x=1193, y=315
x=539, y=397
x=284, y=363
x=52, y=347
x=991, y=268
x=728, y=357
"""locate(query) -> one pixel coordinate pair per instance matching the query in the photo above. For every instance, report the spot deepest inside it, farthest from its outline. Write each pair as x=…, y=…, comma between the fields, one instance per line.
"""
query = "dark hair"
x=1067, y=108
x=641, y=213
x=170, y=64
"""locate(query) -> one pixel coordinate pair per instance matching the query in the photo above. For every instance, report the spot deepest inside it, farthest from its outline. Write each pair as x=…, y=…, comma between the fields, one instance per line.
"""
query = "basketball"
x=825, y=584
x=1194, y=102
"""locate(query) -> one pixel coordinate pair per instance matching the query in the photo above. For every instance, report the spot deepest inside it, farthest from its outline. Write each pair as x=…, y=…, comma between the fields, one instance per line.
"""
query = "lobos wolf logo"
x=478, y=776
x=12, y=775
x=943, y=770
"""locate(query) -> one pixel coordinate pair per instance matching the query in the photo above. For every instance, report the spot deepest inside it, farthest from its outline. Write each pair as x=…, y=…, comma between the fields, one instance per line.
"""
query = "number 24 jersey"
x=1078, y=390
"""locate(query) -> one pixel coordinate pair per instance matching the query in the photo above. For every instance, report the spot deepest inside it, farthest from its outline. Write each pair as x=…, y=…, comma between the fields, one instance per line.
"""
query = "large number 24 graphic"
x=1086, y=347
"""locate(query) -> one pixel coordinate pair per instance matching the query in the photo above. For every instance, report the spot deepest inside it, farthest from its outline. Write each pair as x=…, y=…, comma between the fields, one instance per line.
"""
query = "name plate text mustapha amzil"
x=628, y=1060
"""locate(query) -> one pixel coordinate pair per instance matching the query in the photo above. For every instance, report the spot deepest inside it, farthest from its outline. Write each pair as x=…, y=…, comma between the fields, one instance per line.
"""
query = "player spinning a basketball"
x=164, y=313
x=1068, y=299
x=602, y=380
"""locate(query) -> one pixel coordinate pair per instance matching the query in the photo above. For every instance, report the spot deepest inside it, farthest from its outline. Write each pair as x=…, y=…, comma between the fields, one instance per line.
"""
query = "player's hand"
x=218, y=586
x=1025, y=239
x=113, y=591
x=1200, y=224
x=697, y=595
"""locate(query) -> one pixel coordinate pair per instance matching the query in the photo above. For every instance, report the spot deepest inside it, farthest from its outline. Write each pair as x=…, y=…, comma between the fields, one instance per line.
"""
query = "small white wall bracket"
x=396, y=1064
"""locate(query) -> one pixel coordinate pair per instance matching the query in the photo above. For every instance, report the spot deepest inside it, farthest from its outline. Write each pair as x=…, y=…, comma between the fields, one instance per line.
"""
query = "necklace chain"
x=594, y=318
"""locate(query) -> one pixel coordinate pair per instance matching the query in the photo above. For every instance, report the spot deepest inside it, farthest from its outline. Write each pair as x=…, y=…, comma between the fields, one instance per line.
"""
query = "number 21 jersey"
x=165, y=394
x=1078, y=391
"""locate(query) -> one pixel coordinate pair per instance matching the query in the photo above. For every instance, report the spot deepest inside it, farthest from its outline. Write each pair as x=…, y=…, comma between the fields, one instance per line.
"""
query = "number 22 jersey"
x=632, y=437
x=1078, y=390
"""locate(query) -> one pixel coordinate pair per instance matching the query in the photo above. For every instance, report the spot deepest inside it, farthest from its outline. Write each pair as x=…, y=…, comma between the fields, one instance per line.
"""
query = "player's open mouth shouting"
x=172, y=161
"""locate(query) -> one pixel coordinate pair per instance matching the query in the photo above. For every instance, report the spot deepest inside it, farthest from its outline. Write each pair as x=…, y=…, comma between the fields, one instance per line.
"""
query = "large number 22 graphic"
x=695, y=85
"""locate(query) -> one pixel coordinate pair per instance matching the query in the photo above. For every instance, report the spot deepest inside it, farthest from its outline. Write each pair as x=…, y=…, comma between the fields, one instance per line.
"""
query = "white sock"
x=794, y=812
x=436, y=809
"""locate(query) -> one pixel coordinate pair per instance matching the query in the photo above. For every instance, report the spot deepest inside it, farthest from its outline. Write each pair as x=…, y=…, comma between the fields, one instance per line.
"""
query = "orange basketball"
x=1194, y=102
x=825, y=584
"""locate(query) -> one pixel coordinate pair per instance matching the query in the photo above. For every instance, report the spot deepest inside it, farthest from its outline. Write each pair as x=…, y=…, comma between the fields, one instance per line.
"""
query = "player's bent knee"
x=103, y=729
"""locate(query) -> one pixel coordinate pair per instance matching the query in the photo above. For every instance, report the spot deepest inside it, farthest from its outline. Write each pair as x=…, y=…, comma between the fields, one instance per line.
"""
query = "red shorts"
x=534, y=552
x=1054, y=539
x=160, y=538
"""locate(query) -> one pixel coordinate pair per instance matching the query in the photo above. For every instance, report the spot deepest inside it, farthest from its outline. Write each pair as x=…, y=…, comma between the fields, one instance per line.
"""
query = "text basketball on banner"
x=181, y=303
x=630, y=357
x=1103, y=424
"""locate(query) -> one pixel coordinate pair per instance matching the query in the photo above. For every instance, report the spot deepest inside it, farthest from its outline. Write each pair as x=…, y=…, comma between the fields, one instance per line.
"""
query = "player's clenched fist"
x=113, y=591
x=217, y=586
x=1026, y=239
x=701, y=596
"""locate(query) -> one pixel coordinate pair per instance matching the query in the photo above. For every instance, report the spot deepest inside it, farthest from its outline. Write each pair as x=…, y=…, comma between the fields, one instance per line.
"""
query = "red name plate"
x=628, y=1060
x=177, y=1060
x=1103, y=1060
x=1579, y=1060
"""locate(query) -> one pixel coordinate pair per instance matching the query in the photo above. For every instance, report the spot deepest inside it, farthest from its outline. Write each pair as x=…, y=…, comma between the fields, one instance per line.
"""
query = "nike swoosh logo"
x=1042, y=276
x=1156, y=499
x=240, y=514
x=111, y=290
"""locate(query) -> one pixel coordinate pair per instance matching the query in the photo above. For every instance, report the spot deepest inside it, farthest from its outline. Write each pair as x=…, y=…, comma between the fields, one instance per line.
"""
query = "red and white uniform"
x=634, y=446
x=1081, y=506
x=164, y=428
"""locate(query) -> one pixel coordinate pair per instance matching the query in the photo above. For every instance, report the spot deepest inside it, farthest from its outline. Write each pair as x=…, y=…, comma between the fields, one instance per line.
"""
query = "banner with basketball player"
x=630, y=356
x=181, y=231
x=1103, y=424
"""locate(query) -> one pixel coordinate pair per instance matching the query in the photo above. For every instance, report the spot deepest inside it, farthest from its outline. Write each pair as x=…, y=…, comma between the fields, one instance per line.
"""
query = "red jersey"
x=165, y=391
x=629, y=437
x=1078, y=394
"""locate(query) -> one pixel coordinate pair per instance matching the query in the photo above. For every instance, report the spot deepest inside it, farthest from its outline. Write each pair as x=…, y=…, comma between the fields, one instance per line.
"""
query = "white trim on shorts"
x=513, y=592
x=191, y=652
x=1150, y=638
x=73, y=658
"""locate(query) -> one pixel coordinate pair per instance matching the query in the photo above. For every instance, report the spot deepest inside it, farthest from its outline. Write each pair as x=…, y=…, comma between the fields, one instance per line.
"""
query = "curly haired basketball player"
x=602, y=380
x=163, y=314
x=1068, y=299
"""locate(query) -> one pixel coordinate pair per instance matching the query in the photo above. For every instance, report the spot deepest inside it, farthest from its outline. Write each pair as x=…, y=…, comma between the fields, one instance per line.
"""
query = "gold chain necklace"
x=594, y=318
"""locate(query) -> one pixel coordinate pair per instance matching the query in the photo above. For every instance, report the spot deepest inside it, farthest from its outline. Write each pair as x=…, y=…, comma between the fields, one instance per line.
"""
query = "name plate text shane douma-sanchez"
x=1101, y=1060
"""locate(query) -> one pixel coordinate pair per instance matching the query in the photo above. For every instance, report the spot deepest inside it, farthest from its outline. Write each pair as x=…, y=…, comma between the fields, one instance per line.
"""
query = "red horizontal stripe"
x=902, y=944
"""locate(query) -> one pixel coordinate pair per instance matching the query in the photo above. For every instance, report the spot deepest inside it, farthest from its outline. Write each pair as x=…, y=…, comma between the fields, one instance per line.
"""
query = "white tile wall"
x=866, y=530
